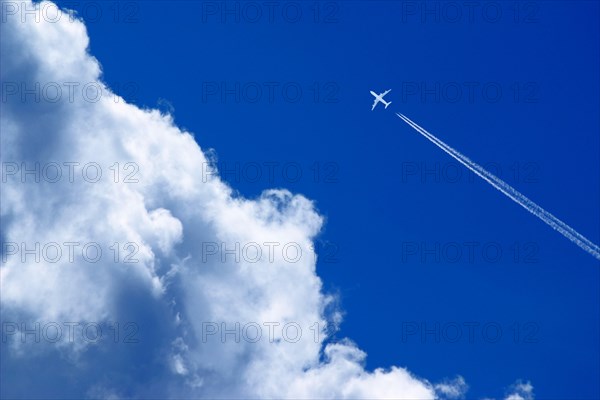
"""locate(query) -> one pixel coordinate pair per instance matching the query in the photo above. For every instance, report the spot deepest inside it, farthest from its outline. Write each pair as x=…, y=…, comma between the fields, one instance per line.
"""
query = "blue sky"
x=517, y=91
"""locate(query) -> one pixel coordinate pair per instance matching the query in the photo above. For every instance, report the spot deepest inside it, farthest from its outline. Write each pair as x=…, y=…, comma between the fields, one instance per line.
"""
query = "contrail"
x=511, y=192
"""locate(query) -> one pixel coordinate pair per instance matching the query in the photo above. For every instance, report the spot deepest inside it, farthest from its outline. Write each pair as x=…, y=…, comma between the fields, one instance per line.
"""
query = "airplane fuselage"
x=379, y=98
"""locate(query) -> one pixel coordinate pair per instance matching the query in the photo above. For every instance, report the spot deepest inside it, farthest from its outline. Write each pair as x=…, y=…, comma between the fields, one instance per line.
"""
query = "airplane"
x=379, y=99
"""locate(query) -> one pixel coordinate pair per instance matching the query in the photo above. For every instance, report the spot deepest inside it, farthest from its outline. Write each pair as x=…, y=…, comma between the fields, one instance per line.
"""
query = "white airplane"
x=379, y=99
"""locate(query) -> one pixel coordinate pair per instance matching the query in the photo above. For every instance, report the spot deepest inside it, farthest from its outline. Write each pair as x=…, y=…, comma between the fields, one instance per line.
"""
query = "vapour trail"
x=511, y=192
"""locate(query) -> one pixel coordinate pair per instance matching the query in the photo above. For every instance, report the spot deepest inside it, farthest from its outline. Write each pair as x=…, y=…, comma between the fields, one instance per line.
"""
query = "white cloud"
x=174, y=291
x=520, y=391
x=452, y=389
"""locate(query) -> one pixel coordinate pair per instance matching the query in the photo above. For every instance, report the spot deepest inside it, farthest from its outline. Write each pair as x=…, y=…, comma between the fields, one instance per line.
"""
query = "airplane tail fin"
x=386, y=106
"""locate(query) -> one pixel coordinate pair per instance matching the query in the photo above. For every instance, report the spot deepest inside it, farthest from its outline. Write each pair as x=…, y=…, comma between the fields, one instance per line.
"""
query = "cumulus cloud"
x=202, y=292
x=520, y=391
x=452, y=389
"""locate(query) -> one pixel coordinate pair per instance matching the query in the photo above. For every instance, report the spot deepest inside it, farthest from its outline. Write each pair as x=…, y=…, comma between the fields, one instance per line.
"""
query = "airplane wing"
x=374, y=104
x=386, y=92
